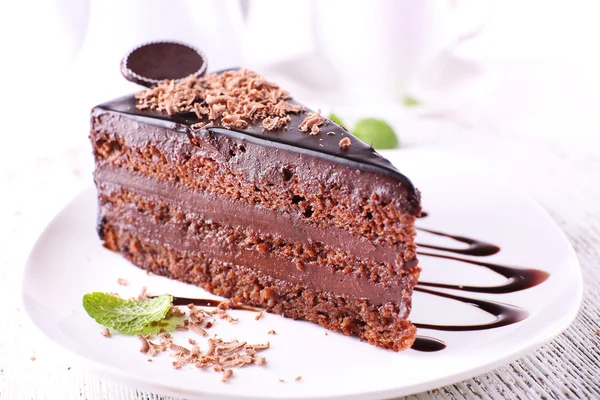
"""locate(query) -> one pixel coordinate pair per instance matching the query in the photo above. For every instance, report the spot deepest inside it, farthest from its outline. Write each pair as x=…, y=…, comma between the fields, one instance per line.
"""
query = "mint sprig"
x=376, y=132
x=336, y=119
x=126, y=316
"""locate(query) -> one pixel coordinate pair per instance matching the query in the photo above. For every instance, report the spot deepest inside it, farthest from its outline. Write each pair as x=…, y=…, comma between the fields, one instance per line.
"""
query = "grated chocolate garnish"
x=345, y=143
x=198, y=329
x=105, y=332
x=312, y=122
x=219, y=355
x=227, y=374
x=144, y=342
x=271, y=332
x=258, y=316
x=233, y=99
x=122, y=282
x=142, y=296
x=298, y=378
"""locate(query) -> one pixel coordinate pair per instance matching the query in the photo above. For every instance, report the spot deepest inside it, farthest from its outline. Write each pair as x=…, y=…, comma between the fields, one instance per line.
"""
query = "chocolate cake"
x=225, y=182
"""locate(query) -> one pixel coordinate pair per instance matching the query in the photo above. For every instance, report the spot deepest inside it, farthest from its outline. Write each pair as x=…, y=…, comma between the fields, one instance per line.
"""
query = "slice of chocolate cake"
x=225, y=182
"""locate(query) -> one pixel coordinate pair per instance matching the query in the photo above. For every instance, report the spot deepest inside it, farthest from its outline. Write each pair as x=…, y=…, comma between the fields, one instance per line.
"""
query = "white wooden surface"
x=562, y=174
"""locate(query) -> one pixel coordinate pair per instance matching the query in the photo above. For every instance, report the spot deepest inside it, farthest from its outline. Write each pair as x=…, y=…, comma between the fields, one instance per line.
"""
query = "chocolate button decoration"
x=151, y=63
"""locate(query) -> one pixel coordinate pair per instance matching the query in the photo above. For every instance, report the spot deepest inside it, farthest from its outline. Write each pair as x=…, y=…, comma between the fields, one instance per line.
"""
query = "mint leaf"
x=376, y=132
x=336, y=119
x=410, y=101
x=126, y=316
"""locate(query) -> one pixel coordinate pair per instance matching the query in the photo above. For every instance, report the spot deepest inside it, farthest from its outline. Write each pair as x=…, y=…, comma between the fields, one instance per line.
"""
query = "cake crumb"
x=331, y=133
x=227, y=374
x=33, y=358
x=105, y=332
x=149, y=360
x=345, y=143
x=282, y=380
x=191, y=341
x=272, y=332
x=298, y=378
x=258, y=316
x=122, y=282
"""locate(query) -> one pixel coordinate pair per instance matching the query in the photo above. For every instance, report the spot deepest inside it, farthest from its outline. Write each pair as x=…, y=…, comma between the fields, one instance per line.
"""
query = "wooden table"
x=563, y=175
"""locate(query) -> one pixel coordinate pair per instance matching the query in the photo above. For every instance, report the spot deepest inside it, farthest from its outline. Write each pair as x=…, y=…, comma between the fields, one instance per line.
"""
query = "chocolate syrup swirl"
x=475, y=248
x=505, y=314
x=518, y=278
x=428, y=344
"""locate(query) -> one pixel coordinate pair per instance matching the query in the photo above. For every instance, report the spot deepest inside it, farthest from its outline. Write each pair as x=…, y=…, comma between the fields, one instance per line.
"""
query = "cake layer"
x=382, y=326
x=228, y=238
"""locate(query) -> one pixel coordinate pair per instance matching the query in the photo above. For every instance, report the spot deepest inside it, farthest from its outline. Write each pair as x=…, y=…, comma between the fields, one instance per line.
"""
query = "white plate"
x=69, y=261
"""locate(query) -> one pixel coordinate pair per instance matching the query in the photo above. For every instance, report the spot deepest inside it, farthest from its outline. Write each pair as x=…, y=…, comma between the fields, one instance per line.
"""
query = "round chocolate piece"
x=151, y=63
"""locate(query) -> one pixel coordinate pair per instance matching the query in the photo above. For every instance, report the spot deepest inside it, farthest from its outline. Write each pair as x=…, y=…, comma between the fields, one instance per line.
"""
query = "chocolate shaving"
x=142, y=296
x=345, y=143
x=312, y=122
x=105, y=332
x=198, y=329
x=227, y=374
x=272, y=123
x=179, y=350
x=144, y=342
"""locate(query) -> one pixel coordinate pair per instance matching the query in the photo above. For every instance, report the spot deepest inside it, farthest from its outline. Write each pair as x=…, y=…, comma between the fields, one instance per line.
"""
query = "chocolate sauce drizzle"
x=506, y=314
x=476, y=247
x=428, y=344
x=518, y=278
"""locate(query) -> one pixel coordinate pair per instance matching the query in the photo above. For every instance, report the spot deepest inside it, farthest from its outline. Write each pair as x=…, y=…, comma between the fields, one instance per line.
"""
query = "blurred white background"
x=527, y=66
